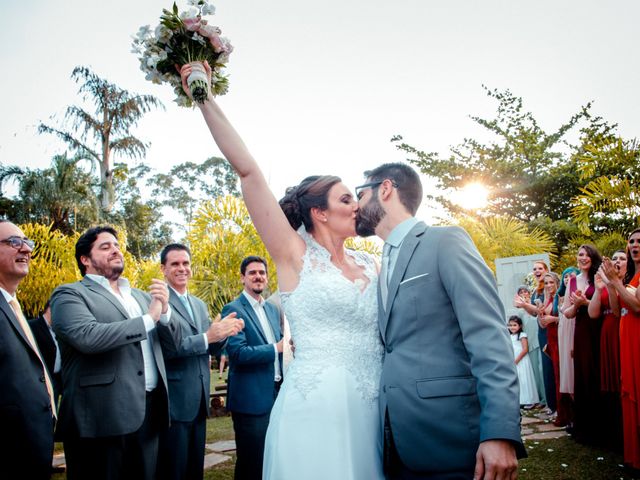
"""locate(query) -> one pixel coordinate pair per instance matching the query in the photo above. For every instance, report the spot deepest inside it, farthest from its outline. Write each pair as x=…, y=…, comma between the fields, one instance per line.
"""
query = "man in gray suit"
x=114, y=395
x=449, y=391
x=188, y=371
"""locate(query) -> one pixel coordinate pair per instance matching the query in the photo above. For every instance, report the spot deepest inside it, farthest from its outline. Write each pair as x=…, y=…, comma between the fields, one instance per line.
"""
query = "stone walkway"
x=218, y=452
x=538, y=426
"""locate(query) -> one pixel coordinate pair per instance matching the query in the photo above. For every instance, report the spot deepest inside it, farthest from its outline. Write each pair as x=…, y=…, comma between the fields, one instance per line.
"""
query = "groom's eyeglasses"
x=360, y=189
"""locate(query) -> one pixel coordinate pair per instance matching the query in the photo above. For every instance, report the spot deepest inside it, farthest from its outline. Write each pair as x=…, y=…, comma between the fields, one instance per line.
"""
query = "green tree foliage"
x=499, y=237
x=53, y=263
x=221, y=236
x=526, y=168
x=100, y=134
x=188, y=184
x=61, y=195
x=143, y=220
x=610, y=168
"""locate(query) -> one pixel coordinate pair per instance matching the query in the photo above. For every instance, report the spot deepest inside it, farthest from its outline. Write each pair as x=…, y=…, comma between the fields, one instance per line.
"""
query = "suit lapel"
x=100, y=290
x=407, y=248
x=8, y=311
x=252, y=316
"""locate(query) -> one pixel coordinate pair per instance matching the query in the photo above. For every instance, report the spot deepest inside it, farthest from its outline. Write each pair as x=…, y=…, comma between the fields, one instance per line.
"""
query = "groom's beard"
x=368, y=217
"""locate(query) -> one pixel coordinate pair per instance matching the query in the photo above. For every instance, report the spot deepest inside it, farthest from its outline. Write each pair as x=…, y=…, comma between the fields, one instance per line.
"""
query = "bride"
x=325, y=421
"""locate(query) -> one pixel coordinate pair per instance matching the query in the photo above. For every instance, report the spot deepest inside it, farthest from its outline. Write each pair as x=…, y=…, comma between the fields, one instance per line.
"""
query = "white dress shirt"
x=258, y=307
x=133, y=309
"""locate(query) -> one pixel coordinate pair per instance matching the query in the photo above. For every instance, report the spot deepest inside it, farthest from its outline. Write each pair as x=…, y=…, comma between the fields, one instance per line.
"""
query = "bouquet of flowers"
x=183, y=38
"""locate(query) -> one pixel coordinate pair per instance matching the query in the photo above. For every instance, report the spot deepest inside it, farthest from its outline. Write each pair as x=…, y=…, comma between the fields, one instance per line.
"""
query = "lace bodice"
x=334, y=322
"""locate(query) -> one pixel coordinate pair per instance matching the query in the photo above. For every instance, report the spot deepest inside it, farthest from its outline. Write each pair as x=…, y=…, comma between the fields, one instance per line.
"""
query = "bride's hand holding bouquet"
x=180, y=39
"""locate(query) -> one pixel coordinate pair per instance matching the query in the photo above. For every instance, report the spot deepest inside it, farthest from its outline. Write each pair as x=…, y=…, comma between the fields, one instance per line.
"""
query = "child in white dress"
x=520, y=344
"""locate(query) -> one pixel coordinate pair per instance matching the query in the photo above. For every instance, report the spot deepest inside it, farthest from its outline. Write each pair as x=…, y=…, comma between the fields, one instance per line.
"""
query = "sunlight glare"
x=473, y=196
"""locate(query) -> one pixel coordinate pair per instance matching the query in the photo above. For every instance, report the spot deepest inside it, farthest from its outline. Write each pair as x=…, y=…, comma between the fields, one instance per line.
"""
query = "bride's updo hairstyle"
x=312, y=192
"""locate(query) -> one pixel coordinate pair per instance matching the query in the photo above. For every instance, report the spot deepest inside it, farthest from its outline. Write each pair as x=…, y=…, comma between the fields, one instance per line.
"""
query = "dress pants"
x=250, y=431
x=22, y=454
x=395, y=469
x=181, y=454
x=123, y=457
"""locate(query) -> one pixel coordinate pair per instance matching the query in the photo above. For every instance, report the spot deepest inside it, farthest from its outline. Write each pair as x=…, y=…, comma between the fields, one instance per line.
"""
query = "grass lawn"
x=565, y=459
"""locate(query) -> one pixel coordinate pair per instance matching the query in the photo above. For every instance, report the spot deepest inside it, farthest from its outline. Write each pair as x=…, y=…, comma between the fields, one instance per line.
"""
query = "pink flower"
x=192, y=24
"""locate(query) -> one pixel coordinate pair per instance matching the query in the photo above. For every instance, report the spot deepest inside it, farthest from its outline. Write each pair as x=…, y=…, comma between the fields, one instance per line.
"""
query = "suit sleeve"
x=174, y=346
x=74, y=323
x=474, y=297
x=238, y=349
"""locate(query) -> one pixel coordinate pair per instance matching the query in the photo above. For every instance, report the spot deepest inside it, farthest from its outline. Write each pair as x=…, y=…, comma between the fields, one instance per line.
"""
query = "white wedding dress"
x=325, y=422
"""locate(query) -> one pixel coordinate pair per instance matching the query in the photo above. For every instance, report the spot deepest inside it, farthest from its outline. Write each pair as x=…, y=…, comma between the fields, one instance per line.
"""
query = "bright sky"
x=320, y=87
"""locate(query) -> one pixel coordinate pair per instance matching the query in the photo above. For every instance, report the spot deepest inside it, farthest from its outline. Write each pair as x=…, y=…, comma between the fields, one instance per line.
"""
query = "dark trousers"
x=122, y=457
x=395, y=469
x=23, y=454
x=181, y=454
x=250, y=431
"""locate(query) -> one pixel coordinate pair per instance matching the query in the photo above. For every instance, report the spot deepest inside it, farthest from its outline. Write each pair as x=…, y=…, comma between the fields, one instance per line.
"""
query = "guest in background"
x=566, y=328
x=115, y=399
x=519, y=342
x=604, y=304
x=255, y=372
x=27, y=406
x=629, y=295
x=537, y=297
x=181, y=451
x=586, y=350
x=530, y=327
x=548, y=320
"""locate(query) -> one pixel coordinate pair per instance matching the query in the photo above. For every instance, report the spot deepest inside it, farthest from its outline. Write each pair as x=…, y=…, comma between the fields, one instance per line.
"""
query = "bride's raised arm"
x=281, y=241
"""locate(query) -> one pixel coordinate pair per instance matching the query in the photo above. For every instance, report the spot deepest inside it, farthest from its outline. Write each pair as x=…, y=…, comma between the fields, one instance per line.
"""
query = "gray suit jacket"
x=103, y=391
x=449, y=379
x=187, y=364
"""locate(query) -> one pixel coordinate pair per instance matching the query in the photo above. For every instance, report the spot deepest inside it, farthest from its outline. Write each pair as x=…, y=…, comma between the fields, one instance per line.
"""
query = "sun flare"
x=473, y=196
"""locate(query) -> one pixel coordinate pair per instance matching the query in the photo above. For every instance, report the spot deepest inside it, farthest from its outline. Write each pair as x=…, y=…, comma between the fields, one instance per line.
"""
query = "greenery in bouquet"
x=182, y=38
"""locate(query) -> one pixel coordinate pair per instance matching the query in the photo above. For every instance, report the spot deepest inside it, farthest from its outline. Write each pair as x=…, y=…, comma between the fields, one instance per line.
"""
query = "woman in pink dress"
x=566, y=327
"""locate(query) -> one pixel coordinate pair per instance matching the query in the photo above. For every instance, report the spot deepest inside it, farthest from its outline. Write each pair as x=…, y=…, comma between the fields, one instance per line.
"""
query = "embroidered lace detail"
x=334, y=322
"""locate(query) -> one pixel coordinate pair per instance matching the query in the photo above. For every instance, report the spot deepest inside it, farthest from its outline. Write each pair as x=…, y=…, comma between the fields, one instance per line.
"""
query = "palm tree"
x=61, y=196
x=611, y=198
x=105, y=132
x=499, y=237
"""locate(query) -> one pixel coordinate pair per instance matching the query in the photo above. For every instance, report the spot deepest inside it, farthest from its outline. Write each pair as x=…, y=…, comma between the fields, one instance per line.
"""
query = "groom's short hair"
x=406, y=181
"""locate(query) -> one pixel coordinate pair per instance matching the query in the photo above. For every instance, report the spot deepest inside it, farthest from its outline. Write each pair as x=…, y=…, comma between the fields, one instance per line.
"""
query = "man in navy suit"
x=26, y=392
x=181, y=454
x=255, y=372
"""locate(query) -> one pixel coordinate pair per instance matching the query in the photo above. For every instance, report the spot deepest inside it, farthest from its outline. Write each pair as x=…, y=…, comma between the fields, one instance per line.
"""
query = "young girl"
x=528, y=390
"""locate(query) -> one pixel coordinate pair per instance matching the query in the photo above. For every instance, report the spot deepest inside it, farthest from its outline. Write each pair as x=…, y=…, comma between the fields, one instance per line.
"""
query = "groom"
x=449, y=390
